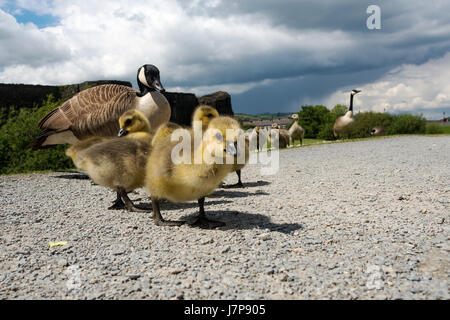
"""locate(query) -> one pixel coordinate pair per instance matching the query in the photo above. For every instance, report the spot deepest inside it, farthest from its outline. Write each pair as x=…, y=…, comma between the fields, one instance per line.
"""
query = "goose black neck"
x=351, y=103
x=144, y=90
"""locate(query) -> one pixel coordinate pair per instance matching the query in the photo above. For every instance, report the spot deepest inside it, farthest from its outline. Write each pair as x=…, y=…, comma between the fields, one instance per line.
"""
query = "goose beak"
x=158, y=86
x=231, y=148
x=122, y=132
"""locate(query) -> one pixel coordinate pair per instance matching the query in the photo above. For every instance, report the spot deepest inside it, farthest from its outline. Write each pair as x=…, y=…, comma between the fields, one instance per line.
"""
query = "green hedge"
x=17, y=132
x=318, y=122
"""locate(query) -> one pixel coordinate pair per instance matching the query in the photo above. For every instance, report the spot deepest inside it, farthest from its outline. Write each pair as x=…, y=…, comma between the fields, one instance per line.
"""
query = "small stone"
x=270, y=271
x=207, y=241
x=118, y=252
x=225, y=249
x=265, y=236
x=176, y=270
x=134, y=276
x=284, y=278
x=62, y=262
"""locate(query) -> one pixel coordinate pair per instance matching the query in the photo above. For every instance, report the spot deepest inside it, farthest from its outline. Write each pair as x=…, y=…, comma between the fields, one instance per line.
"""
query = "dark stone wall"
x=182, y=104
x=28, y=95
x=220, y=100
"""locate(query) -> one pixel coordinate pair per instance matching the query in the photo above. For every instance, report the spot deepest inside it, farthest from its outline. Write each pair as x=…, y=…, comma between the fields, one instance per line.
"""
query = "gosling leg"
x=201, y=221
x=158, y=219
x=118, y=203
x=129, y=205
x=239, y=184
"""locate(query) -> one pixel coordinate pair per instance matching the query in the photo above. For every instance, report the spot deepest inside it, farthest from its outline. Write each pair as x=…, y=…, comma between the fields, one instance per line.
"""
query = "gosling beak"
x=231, y=148
x=158, y=86
x=122, y=132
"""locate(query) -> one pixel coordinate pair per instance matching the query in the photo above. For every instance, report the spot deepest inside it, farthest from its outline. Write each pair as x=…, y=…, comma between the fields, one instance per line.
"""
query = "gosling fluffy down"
x=205, y=114
x=118, y=163
x=190, y=180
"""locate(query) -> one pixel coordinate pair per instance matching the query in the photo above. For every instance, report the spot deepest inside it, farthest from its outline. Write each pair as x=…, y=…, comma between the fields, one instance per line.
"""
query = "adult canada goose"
x=296, y=131
x=378, y=131
x=344, y=124
x=185, y=181
x=117, y=163
x=96, y=111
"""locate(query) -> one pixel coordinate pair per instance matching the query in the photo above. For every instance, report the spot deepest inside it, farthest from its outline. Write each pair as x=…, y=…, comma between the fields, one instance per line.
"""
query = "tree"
x=313, y=119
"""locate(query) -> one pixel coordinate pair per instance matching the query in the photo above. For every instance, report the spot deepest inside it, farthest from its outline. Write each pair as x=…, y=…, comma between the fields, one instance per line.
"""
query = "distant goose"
x=280, y=135
x=296, y=131
x=96, y=111
x=378, y=131
x=344, y=124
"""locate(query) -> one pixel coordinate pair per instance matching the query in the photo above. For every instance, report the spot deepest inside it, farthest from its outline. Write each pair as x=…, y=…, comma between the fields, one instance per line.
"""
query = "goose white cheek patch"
x=142, y=77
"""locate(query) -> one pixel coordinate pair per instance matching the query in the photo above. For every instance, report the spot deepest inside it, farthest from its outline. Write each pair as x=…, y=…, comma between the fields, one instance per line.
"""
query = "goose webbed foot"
x=168, y=223
x=127, y=203
x=204, y=223
x=159, y=220
x=239, y=184
x=117, y=204
x=236, y=185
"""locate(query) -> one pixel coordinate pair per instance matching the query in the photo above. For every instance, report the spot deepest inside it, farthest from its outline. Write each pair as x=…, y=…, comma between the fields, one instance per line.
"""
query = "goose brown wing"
x=94, y=111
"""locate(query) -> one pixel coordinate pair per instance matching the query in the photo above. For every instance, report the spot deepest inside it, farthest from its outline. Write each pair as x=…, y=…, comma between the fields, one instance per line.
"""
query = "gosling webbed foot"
x=117, y=205
x=158, y=219
x=168, y=223
x=236, y=185
x=131, y=207
x=205, y=223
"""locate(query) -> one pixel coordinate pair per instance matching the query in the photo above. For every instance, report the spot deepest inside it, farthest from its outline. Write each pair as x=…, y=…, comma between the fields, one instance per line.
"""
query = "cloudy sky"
x=271, y=56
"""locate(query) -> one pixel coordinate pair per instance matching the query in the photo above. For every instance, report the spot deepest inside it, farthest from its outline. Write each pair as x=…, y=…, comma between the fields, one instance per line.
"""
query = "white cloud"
x=111, y=39
x=231, y=88
x=25, y=44
x=405, y=88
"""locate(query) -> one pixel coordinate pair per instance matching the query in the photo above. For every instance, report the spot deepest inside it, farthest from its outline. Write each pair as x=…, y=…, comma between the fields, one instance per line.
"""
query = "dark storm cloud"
x=412, y=32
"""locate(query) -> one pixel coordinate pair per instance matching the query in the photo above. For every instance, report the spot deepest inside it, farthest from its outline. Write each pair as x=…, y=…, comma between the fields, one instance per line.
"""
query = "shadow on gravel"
x=234, y=194
x=235, y=220
x=258, y=183
x=166, y=205
x=72, y=175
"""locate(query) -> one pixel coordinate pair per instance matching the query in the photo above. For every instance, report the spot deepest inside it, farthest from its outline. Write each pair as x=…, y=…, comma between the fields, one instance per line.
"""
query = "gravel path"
x=360, y=220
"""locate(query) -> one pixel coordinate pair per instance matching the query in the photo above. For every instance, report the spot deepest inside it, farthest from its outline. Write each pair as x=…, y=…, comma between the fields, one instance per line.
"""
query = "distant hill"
x=28, y=96
x=262, y=116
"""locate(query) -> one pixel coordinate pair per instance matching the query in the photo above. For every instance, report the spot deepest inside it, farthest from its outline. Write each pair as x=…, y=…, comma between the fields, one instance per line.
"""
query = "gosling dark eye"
x=210, y=116
x=128, y=122
x=219, y=137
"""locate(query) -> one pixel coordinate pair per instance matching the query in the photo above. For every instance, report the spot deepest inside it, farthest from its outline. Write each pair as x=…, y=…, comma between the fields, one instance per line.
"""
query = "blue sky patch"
x=26, y=16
